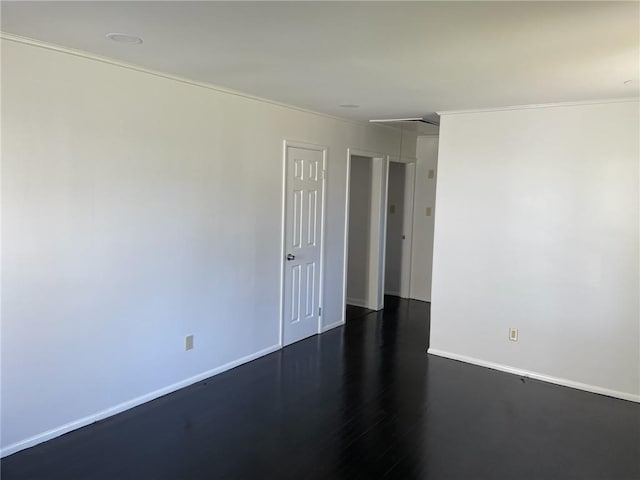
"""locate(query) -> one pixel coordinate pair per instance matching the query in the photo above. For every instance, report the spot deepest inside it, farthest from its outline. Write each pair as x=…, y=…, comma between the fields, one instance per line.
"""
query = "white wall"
x=137, y=209
x=425, y=197
x=359, y=231
x=395, y=228
x=537, y=228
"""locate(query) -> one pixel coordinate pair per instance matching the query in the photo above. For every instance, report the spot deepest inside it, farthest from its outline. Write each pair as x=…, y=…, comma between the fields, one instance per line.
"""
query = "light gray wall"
x=395, y=228
x=425, y=197
x=537, y=228
x=138, y=209
x=359, y=230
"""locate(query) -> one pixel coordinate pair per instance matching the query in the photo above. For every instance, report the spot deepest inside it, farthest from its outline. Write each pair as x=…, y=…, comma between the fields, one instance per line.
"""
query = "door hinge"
x=319, y=311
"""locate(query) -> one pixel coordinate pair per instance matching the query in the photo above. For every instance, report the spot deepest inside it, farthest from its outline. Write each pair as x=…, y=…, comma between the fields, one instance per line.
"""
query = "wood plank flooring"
x=362, y=401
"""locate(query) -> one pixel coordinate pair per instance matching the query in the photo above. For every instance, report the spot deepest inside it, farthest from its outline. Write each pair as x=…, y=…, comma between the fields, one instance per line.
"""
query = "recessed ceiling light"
x=124, y=38
x=349, y=105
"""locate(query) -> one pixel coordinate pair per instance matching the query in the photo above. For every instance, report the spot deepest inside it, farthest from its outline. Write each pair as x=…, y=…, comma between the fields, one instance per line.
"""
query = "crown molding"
x=541, y=105
x=177, y=78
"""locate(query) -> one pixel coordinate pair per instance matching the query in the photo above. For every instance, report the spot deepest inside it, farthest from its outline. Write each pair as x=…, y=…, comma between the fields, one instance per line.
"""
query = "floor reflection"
x=363, y=401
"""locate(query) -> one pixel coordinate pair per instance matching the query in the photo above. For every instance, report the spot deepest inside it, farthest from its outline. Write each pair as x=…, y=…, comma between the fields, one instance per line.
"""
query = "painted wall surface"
x=537, y=229
x=137, y=209
x=425, y=197
x=395, y=228
x=359, y=231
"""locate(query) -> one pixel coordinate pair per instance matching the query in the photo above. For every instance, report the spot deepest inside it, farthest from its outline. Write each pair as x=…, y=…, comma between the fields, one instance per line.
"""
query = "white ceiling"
x=394, y=59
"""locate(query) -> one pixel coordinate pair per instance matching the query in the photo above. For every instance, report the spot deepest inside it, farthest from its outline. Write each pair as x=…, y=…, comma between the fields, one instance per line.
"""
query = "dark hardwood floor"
x=360, y=402
x=353, y=312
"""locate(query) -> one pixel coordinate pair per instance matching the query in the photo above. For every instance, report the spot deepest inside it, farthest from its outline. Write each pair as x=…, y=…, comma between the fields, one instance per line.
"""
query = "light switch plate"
x=428, y=211
x=432, y=173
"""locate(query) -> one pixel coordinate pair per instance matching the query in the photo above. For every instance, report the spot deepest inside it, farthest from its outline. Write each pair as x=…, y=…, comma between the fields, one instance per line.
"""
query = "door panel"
x=303, y=239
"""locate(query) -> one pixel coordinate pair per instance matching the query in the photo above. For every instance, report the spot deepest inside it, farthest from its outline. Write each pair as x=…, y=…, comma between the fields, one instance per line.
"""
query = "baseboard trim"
x=393, y=294
x=332, y=326
x=356, y=302
x=537, y=376
x=82, y=422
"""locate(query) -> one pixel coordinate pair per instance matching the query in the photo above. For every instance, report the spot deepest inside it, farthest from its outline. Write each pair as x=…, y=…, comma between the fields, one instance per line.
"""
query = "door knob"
x=291, y=257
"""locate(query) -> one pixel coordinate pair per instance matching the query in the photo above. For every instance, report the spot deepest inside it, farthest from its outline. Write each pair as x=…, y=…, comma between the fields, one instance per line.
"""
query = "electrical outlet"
x=513, y=334
x=392, y=209
x=188, y=342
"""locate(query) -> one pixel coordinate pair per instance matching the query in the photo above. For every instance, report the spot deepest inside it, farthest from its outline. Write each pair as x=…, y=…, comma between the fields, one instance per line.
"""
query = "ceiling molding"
x=177, y=78
x=541, y=105
x=439, y=56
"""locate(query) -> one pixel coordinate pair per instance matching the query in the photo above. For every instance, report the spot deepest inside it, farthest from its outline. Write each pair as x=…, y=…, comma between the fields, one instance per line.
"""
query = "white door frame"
x=325, y=152
x=380, y=170
x=409, y=209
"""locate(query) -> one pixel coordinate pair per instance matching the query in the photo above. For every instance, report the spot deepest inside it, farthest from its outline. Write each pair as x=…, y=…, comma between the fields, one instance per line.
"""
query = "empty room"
x=320, y=240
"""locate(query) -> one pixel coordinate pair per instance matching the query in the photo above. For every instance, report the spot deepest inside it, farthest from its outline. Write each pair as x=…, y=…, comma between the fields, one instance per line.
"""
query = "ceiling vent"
x=431, y=119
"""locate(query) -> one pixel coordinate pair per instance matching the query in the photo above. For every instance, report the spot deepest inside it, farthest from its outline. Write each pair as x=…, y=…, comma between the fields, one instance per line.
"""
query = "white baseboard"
x=407, y=297
x=357, y=302
x=537, y=376
x=331, y=326
x=62, y=429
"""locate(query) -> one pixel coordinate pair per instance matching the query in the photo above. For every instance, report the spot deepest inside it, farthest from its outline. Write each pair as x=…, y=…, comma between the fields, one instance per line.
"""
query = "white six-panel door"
x=304, y=194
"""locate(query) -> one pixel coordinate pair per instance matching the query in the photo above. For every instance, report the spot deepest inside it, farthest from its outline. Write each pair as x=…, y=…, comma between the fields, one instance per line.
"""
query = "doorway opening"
x=364, y=255
x=390, y=205
x=399, y=228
